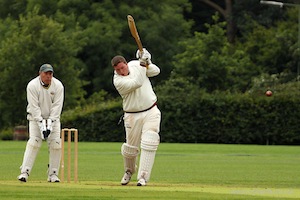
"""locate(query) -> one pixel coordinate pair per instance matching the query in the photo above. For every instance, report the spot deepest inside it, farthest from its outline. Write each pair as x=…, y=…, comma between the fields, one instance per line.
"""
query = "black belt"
x=143, y=110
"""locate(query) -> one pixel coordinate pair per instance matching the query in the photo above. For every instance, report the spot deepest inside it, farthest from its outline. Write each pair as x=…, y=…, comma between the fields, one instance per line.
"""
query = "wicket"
x=69, y=135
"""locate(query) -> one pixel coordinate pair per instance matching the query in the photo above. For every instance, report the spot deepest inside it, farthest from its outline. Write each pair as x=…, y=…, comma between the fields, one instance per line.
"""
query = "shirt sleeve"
x=33, y=101
x=127, y=84
x=56, y=107
x=153, y=70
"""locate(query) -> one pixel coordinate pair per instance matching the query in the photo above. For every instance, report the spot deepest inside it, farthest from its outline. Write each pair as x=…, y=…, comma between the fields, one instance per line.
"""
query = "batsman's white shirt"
x=136, y=89
x=44, y=103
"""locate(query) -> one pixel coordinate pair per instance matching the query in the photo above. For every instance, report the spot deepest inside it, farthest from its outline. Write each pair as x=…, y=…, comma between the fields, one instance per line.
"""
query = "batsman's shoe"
x=126, y=178
x=141, y=182
x=53, y=178
x=23, y=177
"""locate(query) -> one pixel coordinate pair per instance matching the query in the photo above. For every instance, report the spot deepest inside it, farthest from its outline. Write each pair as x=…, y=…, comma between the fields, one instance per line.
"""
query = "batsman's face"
x=122, y=69
x=46, y=77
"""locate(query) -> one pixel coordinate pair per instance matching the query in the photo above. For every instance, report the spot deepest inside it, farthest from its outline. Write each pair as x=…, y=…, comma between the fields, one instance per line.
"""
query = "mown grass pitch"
x=181, y=171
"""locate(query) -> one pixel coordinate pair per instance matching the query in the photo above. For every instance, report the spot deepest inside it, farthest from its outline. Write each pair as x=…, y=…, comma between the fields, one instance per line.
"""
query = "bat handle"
x=140, y=48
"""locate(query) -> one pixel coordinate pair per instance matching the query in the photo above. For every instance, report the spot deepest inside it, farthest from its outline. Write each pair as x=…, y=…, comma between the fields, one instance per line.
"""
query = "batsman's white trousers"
x=140, y=128
x=138, y=124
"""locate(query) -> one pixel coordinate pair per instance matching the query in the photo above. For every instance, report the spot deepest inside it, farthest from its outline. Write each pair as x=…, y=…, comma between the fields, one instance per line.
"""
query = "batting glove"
x=144, y=57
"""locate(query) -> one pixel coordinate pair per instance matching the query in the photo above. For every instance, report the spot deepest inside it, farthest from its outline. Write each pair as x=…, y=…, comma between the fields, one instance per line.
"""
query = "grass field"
x=181, y=171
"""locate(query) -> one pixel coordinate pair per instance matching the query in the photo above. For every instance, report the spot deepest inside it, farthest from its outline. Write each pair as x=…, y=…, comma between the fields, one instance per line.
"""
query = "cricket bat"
x=134, y=32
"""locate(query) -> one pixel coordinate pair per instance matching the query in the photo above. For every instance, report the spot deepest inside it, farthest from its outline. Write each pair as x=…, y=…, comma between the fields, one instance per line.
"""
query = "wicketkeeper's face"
x=122, y=69
x=46, y=77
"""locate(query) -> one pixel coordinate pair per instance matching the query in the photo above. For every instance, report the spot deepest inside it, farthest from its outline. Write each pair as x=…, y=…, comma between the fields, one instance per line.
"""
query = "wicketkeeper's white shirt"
x=136, y=89
x=44, y=103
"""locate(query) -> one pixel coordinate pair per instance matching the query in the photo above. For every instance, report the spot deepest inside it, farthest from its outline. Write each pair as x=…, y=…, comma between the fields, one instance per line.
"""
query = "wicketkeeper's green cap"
x=46, y=68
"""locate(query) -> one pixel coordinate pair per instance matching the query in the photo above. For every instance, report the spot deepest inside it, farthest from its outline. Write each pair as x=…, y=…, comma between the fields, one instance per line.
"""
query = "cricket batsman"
x=141, y=114
x=45, y=96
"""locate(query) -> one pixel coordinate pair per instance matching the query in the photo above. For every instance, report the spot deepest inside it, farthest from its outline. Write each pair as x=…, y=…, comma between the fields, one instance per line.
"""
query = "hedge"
x=201, y=118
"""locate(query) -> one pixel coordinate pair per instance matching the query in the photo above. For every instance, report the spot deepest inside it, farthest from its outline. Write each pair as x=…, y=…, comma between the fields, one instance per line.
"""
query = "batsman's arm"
x=153, y=70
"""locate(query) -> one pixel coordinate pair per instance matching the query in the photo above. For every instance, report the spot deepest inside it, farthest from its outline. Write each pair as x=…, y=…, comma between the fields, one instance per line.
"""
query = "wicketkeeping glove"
x=144, y=57
x=43, y=129
x=49, y=127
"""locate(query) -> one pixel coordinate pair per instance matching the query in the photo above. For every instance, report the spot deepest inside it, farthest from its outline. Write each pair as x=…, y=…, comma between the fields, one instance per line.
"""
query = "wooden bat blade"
x=134, y=32
x=132, y=27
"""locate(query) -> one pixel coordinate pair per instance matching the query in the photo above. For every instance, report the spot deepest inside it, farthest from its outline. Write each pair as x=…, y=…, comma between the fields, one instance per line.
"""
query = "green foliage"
x=213, y=63
x=79, y=38
x=97, y=120
x=177, y=97
x=6, y=134
x=273, y=49
x=191, y=115
x=105, y=25
x=233, y=118
x=28, y=44
x=279, y=84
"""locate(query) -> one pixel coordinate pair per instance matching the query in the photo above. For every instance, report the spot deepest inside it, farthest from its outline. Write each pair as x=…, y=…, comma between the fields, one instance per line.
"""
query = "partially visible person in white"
x=141, y=115
x=45, y=96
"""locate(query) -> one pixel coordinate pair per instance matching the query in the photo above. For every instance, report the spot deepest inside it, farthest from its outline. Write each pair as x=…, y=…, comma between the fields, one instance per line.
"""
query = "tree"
x=211, y=62
x=274, y=49
x=25, y=46
x=227, y=13
x=105, y=26
x=236, y=14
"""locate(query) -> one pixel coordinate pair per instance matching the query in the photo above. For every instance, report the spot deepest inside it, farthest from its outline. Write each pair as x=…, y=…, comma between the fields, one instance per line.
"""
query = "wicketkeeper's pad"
x=54, y=156
x=32, y=148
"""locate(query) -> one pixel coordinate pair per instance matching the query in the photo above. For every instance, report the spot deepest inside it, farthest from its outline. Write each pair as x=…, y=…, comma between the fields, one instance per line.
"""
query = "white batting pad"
x=129, y=156
x=54, y=156
x=149, y=144
x=32, y=148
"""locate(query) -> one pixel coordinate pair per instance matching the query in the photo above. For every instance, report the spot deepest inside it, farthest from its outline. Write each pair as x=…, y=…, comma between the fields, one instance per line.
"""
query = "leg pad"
x=129, y=156
x=149, y=145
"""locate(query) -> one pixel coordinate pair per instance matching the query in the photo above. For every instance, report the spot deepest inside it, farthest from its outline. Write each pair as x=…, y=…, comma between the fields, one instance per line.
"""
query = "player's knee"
x=55, y=143
x=150, y=141
x=35, y=142
x=129, y=151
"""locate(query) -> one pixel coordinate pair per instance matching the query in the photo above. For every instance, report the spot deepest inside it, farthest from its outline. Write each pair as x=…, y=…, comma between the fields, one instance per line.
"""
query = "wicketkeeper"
x=141, y=114
x=45, y=96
